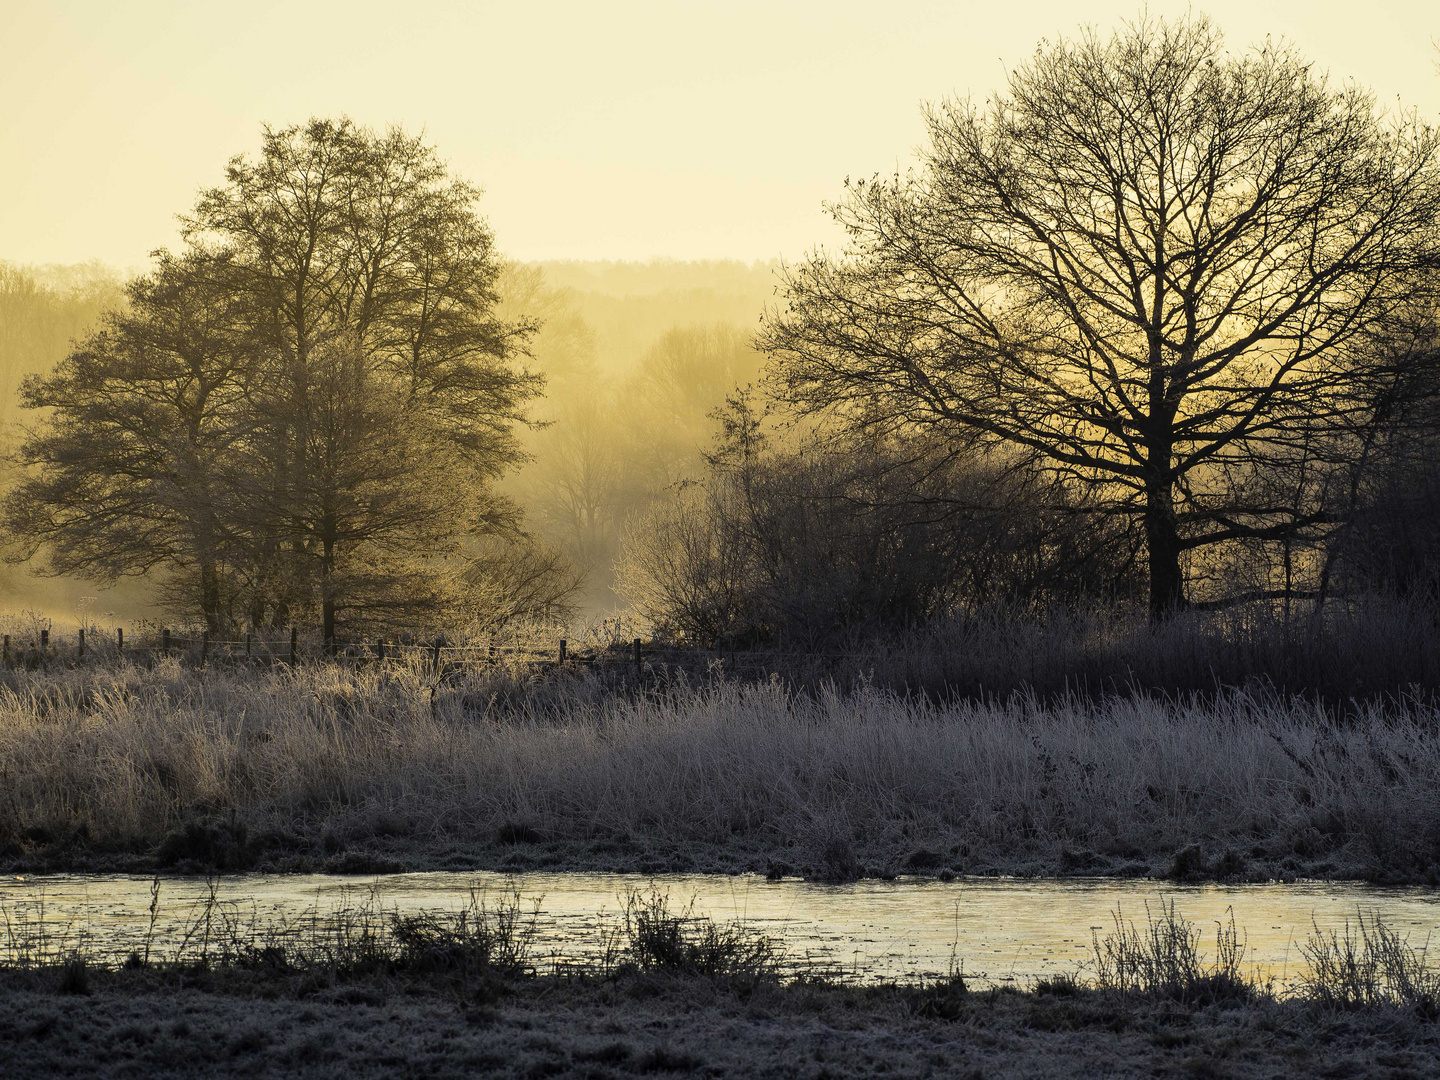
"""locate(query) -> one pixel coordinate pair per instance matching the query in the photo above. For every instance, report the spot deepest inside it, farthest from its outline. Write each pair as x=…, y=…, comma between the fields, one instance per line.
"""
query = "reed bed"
x=233, y=768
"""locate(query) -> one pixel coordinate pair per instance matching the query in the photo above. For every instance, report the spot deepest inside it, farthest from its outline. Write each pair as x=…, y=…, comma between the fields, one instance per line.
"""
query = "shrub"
x=802, y=546
x=1163, y=960
x=657, y=939
x=1367, y=966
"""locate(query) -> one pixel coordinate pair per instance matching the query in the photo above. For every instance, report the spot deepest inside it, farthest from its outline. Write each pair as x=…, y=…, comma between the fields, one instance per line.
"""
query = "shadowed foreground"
x=689, y=1028
x=458, y=995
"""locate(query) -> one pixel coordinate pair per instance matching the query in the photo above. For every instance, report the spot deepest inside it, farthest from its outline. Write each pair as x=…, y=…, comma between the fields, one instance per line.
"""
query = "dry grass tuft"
x=1369, y=966
x=655, y=938
x=1163, y=960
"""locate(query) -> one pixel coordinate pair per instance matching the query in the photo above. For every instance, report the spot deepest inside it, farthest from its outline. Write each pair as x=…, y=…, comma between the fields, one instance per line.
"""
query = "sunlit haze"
x=618, y=131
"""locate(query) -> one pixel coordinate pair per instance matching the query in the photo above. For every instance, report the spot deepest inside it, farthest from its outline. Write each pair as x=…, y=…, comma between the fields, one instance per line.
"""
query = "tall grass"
x=235, y=767
x=1369, y=965
x=1374, y=647
x=1164, y=959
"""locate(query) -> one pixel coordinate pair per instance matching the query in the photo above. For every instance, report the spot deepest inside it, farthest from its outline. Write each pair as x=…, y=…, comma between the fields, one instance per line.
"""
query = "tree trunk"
x=257, y=613
x=1162, y=541
x=327, y=597
x=210, y=594
x=1162, y=531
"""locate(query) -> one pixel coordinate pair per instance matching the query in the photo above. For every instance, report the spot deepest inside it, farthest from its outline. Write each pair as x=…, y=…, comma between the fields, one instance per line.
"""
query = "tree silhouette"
x=1145, y=262
x=134, y=467
x=313, y=399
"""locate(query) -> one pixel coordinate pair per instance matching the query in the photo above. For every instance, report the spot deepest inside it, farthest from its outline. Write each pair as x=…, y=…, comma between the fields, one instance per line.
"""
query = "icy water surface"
x=1001, y=930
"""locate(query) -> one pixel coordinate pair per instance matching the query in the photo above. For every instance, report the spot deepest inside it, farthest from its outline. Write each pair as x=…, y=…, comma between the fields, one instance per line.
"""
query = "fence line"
x=252, y=648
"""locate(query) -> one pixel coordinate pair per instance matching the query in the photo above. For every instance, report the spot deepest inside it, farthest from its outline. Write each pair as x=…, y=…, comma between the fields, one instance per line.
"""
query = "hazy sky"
x=599, y=130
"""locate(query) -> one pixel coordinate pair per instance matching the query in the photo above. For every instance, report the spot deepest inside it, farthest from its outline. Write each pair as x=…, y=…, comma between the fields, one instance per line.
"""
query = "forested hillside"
x=637, y=357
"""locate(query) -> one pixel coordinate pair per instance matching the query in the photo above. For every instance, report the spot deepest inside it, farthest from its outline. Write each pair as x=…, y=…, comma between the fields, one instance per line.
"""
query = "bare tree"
x=371, y=274
x=1145, y=262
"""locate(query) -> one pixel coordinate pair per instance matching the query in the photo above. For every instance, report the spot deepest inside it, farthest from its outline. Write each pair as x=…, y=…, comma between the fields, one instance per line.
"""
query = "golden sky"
x=599, y=130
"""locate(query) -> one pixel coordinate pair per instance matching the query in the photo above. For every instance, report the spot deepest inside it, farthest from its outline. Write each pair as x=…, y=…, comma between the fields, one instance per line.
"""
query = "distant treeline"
x=42, y=309
x=636, y=359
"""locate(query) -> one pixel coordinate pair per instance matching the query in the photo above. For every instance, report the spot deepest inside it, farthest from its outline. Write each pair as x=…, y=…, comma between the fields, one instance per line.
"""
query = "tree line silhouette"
x=1155, y=321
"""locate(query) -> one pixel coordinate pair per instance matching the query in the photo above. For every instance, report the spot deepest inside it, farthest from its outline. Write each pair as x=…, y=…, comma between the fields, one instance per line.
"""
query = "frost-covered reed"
x=332, y=757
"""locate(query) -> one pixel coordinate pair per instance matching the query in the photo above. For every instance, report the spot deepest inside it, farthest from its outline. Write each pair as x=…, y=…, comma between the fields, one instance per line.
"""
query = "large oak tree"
x=1146, y=262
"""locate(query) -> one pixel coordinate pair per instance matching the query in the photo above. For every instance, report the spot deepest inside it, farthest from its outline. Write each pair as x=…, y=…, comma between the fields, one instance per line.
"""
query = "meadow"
x=832, y=772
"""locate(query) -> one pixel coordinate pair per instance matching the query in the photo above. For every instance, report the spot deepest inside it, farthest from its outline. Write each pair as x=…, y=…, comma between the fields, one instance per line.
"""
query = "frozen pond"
x=1001, y=930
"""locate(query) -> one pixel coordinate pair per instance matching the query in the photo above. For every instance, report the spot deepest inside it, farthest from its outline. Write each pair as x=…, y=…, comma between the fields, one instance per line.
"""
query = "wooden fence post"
x=562, y=650
x=637, y=656
x=120, y=640
x=294, y=643
x=80, y=653
x=165, y=642
x=247, y=646
x=44, y=642
x=435, y=652
x=380, y=648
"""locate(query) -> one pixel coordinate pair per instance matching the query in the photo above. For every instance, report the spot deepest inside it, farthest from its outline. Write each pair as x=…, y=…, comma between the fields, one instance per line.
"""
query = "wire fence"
x=42, y=648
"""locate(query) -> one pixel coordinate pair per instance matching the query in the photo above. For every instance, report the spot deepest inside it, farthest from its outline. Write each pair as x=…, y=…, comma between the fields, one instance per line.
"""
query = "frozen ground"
x=685, y=1027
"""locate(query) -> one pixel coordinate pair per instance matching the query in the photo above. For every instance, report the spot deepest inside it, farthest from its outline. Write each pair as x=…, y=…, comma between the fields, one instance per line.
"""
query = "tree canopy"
x=303, y=409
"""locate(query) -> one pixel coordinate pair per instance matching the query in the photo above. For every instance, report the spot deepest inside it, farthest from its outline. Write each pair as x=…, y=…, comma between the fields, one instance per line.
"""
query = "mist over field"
x=1021, y=370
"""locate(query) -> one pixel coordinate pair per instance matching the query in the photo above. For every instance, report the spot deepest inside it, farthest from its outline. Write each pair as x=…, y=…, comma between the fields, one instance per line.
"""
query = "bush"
x=657, y=939
x=798, y=546
x=1369, y=966
x=1163, y=961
